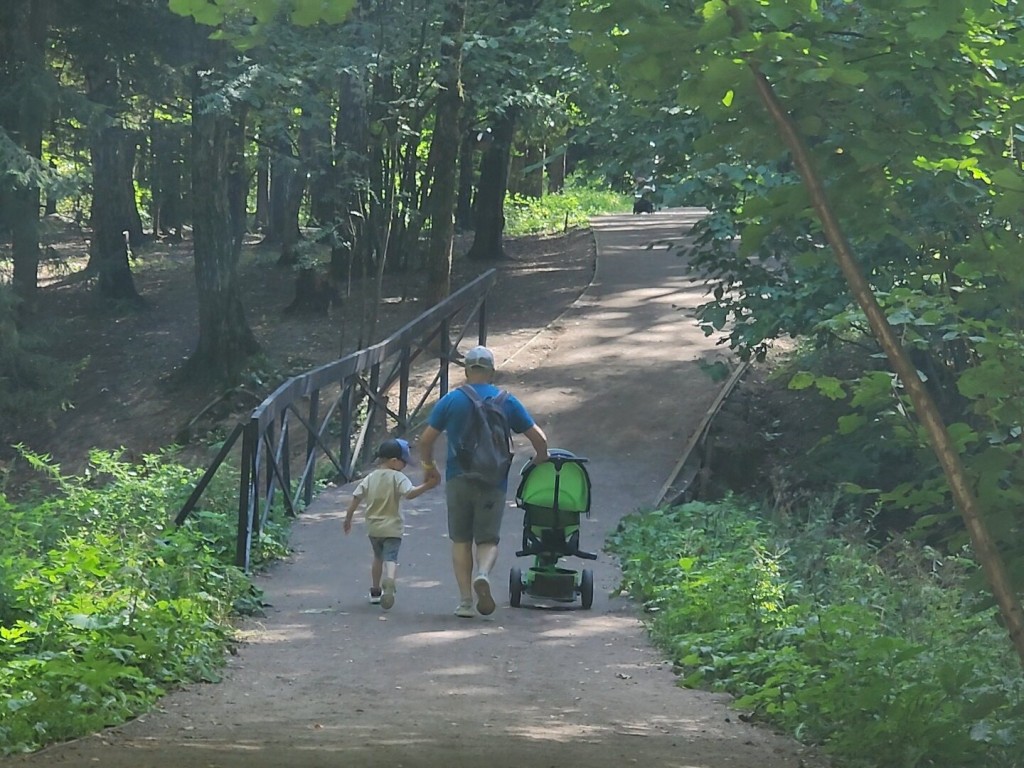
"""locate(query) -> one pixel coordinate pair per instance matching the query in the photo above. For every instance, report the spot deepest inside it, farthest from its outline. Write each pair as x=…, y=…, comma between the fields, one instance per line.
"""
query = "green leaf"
x=930, y=26
x=801, y=380
x=717, y=24
x=830, y=387
x=1008, y=180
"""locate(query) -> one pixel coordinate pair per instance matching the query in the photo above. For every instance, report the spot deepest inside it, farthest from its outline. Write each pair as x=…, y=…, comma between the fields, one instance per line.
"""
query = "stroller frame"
x=551, y=532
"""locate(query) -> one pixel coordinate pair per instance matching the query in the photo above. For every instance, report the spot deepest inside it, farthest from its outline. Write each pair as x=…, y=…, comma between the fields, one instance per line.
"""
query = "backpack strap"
x=472, y=394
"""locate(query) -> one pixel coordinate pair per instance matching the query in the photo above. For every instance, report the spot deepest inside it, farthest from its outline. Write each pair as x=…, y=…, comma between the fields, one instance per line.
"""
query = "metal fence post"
x=245, y=495
x=314, y=416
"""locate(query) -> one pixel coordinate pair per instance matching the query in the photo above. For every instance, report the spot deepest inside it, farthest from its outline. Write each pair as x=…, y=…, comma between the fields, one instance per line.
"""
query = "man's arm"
x=426, y=448
x=539, y=441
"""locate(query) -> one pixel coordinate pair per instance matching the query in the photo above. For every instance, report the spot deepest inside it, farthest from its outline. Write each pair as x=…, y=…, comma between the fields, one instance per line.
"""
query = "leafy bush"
x=881, y=656
x=569, y=209
x=104, y=603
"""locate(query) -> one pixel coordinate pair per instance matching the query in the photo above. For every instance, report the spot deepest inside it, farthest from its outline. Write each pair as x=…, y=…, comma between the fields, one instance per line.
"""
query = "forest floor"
x=128, y=395
x=594, y=331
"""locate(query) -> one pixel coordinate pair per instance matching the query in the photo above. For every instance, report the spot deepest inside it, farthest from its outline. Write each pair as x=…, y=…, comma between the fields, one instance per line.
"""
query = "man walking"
x=475, y=507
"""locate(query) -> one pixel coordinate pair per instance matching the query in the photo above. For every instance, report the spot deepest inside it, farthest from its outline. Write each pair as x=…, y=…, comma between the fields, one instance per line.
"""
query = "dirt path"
x=328, y=680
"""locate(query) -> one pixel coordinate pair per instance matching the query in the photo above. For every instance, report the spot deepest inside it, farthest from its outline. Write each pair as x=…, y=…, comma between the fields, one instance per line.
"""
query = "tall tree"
x=489, y=210
x=24, y=114
x=444, y=153
x=225, y=339
x=516, y=75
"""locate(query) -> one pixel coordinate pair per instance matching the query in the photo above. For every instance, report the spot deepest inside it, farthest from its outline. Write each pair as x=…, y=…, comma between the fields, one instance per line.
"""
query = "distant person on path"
x=383, y=490
x=475, y=507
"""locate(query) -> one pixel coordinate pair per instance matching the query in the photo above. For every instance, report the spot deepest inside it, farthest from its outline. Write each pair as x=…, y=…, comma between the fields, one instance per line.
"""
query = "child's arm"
x=350, y=512
x=431, y=481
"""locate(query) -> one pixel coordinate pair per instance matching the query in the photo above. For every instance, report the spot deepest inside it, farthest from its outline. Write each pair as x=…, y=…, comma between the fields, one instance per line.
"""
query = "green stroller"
x=553, y=495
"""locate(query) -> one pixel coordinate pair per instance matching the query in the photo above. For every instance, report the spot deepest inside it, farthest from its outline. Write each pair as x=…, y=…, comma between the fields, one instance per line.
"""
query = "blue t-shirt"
x=451, y=414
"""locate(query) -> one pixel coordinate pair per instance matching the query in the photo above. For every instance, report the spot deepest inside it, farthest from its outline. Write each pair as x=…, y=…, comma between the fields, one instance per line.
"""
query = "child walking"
x=383, y=490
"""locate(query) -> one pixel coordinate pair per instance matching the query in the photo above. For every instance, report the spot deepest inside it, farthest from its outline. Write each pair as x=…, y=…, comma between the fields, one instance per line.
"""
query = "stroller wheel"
x=515, y=587
x=587, y=588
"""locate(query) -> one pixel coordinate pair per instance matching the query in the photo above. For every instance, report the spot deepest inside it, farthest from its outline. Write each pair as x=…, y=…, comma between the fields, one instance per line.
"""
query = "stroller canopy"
x=560, y=484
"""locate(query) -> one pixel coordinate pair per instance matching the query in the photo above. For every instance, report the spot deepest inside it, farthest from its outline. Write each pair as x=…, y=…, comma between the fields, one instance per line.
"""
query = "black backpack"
x=485, y=450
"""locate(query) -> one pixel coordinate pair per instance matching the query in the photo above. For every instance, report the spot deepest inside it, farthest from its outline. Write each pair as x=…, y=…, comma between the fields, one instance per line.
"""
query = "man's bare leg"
x=486, y=557
x=462, y=563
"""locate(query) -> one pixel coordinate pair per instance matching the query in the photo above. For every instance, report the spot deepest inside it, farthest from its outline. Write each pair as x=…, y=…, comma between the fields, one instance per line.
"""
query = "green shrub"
x=884, y=658
x=106, y=603
x=569, y=209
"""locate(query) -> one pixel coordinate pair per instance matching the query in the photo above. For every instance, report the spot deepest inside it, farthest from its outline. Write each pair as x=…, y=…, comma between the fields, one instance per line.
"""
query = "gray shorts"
x=385, y=548
x=474, y=511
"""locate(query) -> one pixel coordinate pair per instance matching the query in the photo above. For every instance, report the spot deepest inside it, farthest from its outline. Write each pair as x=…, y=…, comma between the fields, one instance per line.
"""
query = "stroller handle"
x=558, y=457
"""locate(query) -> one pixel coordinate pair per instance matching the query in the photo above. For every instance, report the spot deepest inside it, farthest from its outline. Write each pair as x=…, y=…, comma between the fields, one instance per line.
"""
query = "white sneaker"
x=387, y=599
x=375, y=596
x=484, y=601
x=465, y=610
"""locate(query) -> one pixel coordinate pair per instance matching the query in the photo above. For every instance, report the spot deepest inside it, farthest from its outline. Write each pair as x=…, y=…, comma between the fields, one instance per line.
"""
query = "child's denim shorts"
x=386, y=548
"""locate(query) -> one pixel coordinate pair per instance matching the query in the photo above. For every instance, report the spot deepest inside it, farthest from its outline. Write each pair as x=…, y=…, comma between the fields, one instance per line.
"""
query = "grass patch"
x=569, y=209
x=884, y=658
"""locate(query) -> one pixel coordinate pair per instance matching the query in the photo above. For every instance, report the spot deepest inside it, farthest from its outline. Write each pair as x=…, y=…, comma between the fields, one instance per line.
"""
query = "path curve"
x=327, y=680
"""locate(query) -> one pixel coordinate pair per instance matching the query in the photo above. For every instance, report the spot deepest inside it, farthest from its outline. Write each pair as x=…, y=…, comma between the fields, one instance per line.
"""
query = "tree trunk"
x=286, y=188
x=167, y=153
x=262, y=222
x=238, y=180
x=23, y=28
x=315, y=143
x=490, y=201
x=315, y=294
x=116, y=224
x=225, y=340
x=464, y=202
x=532, y=184
x=25, y=240
x=444, y=154
x=942, y=444
x=349, y=174
x=556, y=173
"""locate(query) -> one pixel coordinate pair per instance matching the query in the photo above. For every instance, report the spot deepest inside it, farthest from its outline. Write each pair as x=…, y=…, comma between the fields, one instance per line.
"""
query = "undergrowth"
x=882, y=657
x=105, y=604
x=569, y=209
x=32, y=382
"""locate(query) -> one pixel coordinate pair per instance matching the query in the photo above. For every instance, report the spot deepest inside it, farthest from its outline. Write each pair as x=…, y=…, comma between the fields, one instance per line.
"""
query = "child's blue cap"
x=395, y=449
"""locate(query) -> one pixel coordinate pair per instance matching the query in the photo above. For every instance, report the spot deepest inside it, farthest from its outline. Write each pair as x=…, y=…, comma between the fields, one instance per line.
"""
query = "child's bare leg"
x=375, y=573
x=387, y=584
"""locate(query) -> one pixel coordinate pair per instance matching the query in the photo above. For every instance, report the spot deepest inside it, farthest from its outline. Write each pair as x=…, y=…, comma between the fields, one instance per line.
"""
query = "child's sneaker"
x=375, y=594
x=387, y=599
x=484, y=601
x=465, y=610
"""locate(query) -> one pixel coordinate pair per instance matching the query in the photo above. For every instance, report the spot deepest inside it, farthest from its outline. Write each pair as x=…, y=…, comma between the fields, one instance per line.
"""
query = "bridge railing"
x=335, y=413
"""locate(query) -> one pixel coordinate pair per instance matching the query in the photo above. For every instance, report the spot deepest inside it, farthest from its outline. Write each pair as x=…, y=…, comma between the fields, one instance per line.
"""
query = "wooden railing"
x=336, y=411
